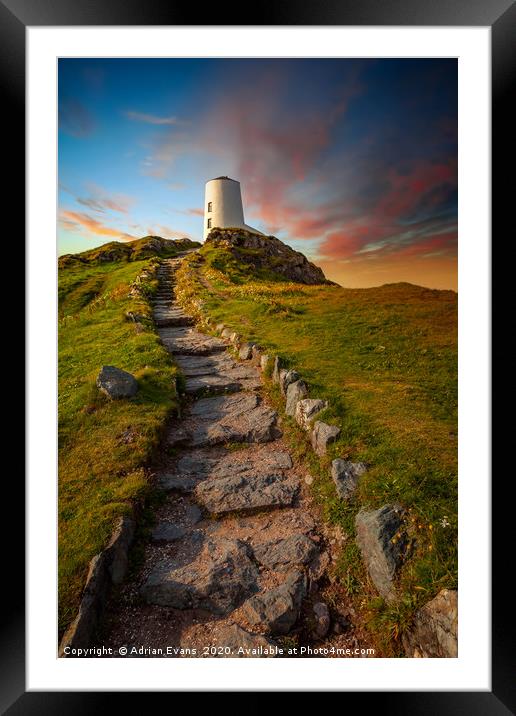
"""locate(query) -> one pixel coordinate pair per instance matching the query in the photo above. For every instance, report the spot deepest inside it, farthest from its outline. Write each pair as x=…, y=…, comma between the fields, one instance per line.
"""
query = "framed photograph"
x=258, y=290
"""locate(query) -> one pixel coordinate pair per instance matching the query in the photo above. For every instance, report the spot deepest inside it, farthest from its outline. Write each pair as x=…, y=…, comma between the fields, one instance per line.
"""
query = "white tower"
x=223, y=206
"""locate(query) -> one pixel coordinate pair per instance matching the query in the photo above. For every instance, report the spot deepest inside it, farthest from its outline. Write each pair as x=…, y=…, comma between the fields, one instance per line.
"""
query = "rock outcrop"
x=267, y=252
x=434, y=633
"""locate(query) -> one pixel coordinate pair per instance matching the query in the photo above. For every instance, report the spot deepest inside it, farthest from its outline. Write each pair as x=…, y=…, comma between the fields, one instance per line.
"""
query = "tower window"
x=209, y=223
x=210, y=205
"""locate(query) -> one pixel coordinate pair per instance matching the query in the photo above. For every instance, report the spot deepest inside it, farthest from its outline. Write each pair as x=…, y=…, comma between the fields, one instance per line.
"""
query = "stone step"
x=216, y=575
x=204, y=365
x=200, y=464
x=245, y=492
x=240, y=417
x=213, y=384
x=188, y=341
x=254, y=458
x=285, y=553
x=217, y=373
x=170, y=309
x=229, y=382
x=167, y=322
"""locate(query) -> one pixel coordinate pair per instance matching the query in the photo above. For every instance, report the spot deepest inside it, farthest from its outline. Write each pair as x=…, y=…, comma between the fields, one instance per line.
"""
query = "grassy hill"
x=386, y=360
x=136, y=250
x=104, y=445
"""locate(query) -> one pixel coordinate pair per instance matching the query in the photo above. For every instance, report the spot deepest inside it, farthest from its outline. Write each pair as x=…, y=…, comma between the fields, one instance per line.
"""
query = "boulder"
x=346, y=475
x=284, y=554
x=116, y=383
x=277, y=609
x=307, y=409
x=323, y=435
x=295, y=392
x=322, y=620
x=383, y=542
x=434, y=631
x=218, y=579
x=286, y=378
x=246, y=351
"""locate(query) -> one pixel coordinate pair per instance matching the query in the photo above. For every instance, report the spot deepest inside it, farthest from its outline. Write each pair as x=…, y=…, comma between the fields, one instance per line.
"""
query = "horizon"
x=351, y=162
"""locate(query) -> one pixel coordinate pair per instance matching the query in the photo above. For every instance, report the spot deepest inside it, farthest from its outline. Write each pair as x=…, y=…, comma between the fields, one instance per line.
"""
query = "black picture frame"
x=500, y=15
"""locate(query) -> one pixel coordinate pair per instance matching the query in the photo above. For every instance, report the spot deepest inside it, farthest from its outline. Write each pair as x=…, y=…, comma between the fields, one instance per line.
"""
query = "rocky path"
x=235, y=557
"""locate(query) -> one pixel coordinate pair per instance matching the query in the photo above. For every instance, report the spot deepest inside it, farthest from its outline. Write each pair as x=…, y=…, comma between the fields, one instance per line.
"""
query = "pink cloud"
x=74, y=220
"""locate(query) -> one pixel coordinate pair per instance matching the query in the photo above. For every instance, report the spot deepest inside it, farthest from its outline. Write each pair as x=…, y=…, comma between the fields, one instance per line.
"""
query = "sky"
x=351, y=161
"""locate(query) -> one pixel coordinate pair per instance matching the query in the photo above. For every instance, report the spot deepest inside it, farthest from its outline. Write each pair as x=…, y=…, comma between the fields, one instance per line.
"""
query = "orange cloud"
x=74, y=220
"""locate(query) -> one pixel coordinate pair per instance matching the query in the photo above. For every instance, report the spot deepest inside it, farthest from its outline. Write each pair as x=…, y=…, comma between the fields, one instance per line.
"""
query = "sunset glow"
x=352, y=162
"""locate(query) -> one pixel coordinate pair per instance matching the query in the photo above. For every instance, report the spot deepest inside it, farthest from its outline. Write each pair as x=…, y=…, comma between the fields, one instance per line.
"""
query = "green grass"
x=104, y=445
x=386, y=360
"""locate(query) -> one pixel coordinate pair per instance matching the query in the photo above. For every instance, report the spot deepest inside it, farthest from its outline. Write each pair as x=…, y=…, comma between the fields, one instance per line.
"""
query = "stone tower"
x=223, y=206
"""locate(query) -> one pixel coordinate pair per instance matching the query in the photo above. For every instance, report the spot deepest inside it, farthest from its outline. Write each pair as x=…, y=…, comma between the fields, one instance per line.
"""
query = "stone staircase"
x=235, y=554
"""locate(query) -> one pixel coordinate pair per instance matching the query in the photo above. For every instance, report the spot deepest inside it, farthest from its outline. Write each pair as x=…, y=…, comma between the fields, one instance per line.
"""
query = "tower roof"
x=228, y=178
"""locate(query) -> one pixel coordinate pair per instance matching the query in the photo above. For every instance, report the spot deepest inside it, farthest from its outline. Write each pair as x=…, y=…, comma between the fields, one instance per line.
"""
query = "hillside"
x=136, y=250
x=103, y=444
x=386, y=360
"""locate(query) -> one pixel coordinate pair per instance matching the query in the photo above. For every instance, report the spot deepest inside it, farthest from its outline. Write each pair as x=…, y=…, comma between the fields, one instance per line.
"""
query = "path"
x=235, y=555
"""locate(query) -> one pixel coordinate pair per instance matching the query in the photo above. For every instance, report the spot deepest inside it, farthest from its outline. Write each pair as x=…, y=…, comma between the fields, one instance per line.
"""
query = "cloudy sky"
x=352, y=162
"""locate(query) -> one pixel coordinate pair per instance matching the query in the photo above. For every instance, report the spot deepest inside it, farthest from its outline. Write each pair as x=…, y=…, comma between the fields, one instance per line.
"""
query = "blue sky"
x=353, y=162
